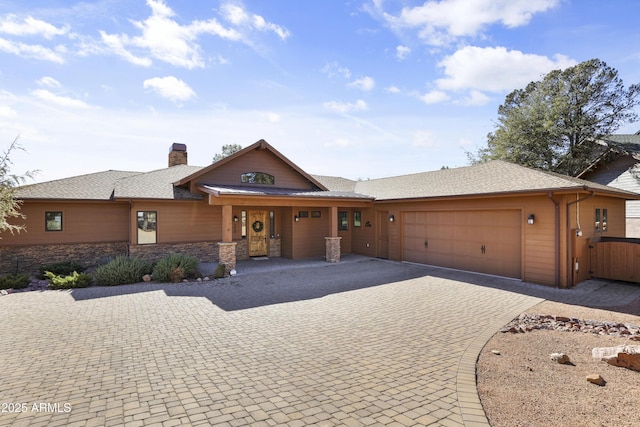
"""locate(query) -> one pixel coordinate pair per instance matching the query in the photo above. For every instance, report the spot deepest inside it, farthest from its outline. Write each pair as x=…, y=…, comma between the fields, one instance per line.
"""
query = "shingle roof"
x=629, y=143
x=493, y=177
x=157, y=184
x=114, y=185
x=94, y=186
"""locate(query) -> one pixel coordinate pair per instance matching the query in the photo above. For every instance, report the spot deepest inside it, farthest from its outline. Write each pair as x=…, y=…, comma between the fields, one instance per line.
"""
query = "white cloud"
x=332, y=69
x=434, y=97
x=170, y=87
x=48, y=82
x=495, y=69
x=476, y=98
x=30, y=26
x=165, y=39
x=62, y=101
x=442, y=22
x=392, y=89
x=402, y=52
x=31, y=51
x=238, y=16
x=365, y=84
x=345, y=107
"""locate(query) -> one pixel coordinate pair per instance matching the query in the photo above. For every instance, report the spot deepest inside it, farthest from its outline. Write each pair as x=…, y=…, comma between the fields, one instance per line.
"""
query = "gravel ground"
x=523, y=387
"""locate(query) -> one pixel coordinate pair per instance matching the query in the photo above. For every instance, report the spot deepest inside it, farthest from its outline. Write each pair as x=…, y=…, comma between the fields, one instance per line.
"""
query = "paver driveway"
x=367, y=342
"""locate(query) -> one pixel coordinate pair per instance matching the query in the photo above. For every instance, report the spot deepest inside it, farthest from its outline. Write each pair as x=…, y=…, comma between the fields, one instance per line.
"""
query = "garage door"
x=483, y=241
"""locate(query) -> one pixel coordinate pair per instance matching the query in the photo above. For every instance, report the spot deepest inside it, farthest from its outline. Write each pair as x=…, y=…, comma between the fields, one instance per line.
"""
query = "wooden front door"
x=257, y=233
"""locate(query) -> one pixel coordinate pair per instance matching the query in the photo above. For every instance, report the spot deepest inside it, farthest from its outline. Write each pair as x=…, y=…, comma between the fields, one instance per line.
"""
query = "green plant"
x=64, y=268
x=14, y=281
x=220, y=272
x=74, y=280
x=121, y=271
x=175, y=267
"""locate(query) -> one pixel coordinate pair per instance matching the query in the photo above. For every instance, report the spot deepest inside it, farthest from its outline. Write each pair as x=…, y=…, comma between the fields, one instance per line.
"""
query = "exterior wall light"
x=235, y=218
x=296, y=218
x=392, y=218
x=531, y=219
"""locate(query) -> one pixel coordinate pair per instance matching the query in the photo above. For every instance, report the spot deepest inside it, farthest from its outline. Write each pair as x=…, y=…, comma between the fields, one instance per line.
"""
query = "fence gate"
x=615, y=259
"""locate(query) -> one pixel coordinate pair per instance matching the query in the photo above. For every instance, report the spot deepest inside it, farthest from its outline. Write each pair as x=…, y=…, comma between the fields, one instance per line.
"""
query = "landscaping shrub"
x=64, y=268
x=74, y=280
x=175, y=268
x=221, y=271
x=122, y=270
x=14, y=281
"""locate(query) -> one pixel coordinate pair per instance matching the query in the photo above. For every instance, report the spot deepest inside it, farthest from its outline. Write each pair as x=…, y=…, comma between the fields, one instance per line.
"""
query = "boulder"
x=146, y=278
x=624, y=356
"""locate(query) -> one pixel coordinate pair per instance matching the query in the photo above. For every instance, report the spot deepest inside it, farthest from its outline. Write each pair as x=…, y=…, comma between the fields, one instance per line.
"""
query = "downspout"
x=129, y=231
x=557, y=239
x=569, y=264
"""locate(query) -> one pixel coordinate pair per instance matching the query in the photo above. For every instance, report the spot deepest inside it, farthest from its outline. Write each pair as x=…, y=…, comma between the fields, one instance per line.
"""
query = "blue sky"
x=359, y=89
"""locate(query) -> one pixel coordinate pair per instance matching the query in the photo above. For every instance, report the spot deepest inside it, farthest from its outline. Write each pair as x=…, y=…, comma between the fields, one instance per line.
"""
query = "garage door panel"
x=456, y=239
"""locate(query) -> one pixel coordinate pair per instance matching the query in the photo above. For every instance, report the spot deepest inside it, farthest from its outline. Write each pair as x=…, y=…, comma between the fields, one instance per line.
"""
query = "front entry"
x=257, y=233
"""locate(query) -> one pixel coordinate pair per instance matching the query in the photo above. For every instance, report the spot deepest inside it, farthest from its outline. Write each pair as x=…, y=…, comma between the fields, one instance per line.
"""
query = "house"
x=496, y=218
x=618, y=165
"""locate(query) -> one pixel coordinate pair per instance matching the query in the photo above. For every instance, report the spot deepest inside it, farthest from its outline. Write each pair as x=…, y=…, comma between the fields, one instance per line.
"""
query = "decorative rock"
x=624, y=356
x=146, y=278
x=198, y=279
x=527, y=322
x=206, y=279
x=596, y=379
x=4, y=292
x=560, y=358
x=496, y=352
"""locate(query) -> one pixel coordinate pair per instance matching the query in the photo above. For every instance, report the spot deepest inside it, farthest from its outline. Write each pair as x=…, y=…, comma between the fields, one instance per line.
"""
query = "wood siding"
x=81, y=223
x=257, y=161
x=182, y=222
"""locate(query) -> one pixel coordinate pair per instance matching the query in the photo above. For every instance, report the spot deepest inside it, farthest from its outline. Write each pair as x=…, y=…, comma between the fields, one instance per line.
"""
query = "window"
x=316, y=214
x=343, y=220
x=147, y=227
x=244, y=224
x=357, y=218
x=257, y=178
x=601, y=219
x=272, y=224
x=53, y=221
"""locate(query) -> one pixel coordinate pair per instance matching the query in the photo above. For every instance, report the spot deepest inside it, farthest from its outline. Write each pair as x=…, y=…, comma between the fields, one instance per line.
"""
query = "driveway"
x=360, y=343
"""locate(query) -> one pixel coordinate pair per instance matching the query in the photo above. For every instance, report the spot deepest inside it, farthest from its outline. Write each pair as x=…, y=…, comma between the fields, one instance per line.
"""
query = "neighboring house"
x=619, y=166
x=496, y=218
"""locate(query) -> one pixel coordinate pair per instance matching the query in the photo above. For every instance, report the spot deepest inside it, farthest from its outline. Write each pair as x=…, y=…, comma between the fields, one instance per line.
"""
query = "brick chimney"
x=178, y=154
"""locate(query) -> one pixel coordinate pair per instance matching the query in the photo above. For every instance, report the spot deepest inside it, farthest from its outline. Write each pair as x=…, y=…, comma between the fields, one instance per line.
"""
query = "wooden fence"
x=615, y=259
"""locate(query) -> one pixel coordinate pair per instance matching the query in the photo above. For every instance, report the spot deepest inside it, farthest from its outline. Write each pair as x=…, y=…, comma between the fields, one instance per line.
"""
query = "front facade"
x=495, y=218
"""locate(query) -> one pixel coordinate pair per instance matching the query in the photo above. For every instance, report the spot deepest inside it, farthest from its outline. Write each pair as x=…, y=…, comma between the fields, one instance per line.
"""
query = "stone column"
x=332, y=249
x=227, y=255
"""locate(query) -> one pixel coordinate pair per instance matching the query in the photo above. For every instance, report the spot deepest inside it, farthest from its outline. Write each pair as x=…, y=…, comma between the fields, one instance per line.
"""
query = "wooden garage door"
x=482, y=241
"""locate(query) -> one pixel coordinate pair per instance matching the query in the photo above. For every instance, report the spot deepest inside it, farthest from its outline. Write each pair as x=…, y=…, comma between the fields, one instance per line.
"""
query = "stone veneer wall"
x=274, y=248
x=204, y=251
x=332, y=249
x=27, y=259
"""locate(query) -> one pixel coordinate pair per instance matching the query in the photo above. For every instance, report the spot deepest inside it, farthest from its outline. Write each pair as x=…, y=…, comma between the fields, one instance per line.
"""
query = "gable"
x=617, y=173
x=259, y=159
